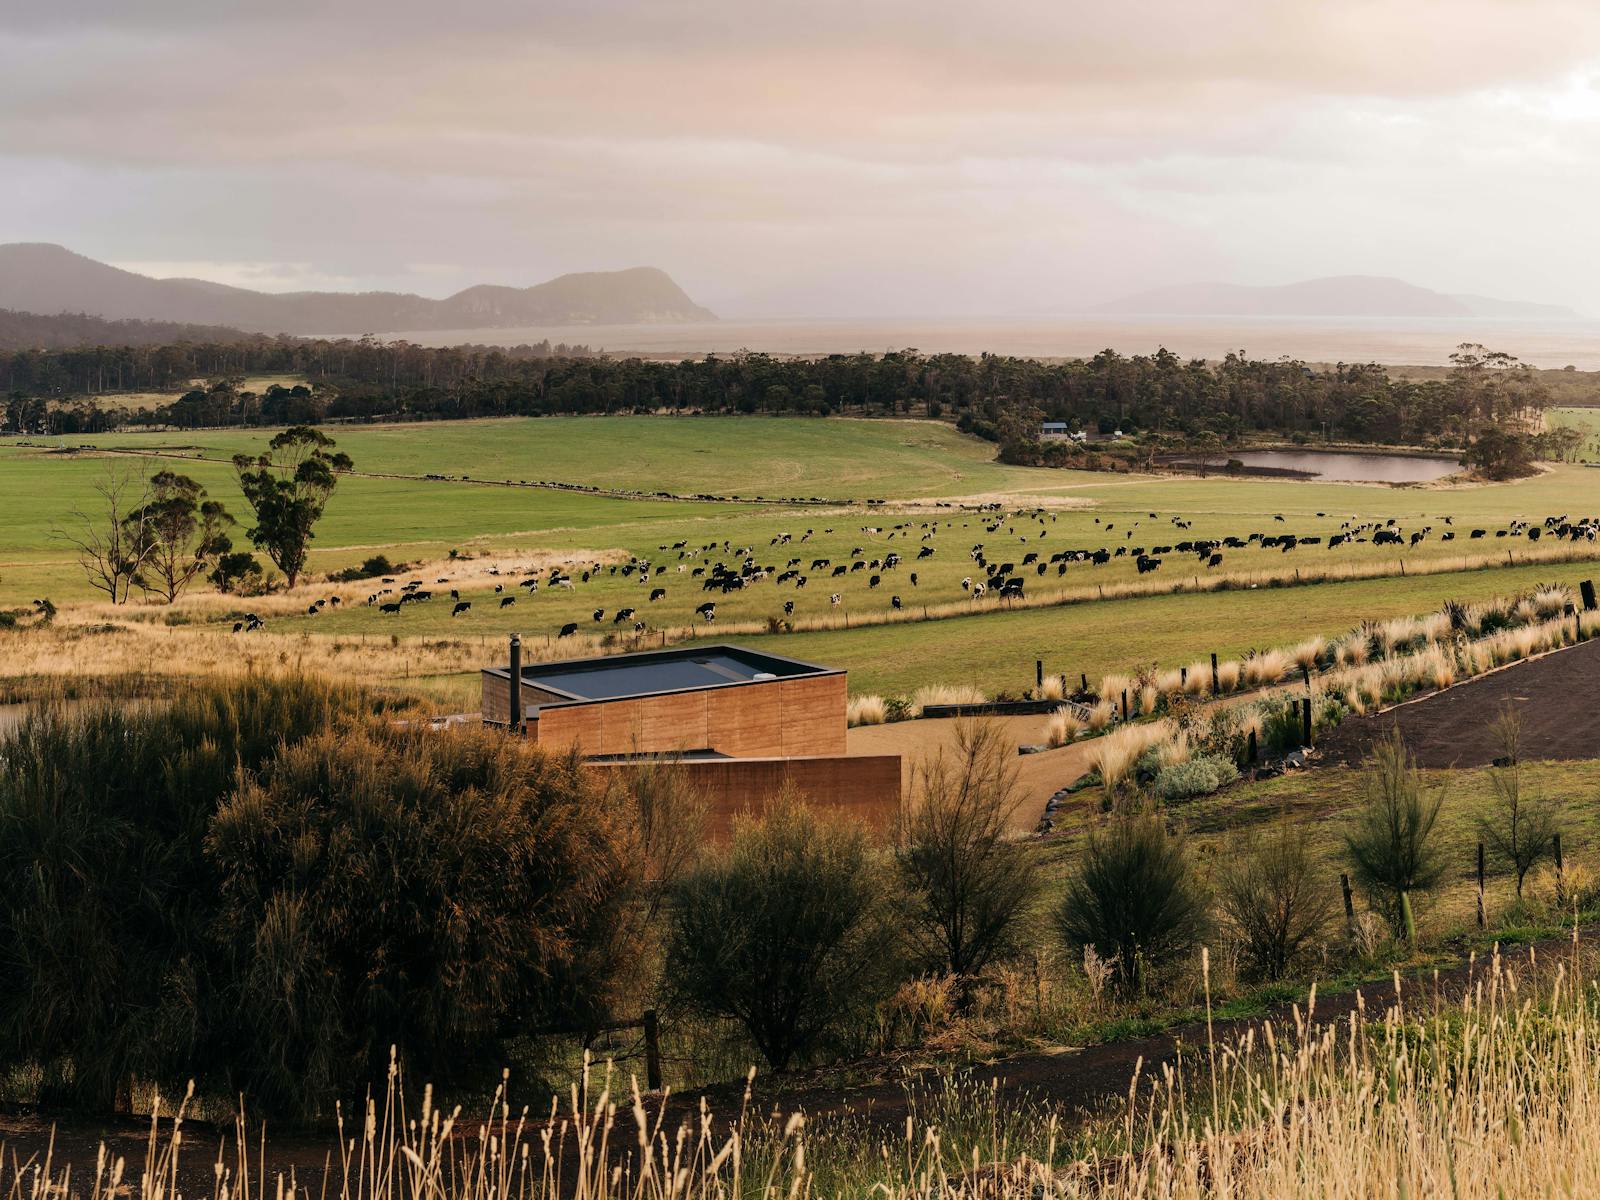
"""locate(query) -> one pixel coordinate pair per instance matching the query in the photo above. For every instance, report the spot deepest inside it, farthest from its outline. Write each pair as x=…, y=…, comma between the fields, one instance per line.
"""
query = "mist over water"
x=1332, y=467
x=1313, y=339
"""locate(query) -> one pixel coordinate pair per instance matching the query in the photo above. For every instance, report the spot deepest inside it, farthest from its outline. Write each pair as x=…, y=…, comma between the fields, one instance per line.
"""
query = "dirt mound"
x=1557, y=696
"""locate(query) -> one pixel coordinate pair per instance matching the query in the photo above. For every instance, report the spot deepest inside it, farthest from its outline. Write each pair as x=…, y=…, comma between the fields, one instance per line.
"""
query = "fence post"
x=1480, y=886
x=1587, y=588
x=1124, y=704
x=1349, y=903
x=652, y=1050
x=1038, y=673
x=1251, y=751
x=1083, y=679
x=1215, y=686
x=1305, y=724
x=1183, y=678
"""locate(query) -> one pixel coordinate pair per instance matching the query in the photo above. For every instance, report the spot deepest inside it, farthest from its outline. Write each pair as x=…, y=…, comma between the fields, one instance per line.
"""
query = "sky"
x=826, y=158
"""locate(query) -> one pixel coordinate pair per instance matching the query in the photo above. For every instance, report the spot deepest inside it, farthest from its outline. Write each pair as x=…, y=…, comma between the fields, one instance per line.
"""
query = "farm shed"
x=742, y=724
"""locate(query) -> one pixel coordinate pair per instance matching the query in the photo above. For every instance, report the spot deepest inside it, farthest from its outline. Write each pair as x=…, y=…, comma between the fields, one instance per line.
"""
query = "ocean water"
x=1317, y=340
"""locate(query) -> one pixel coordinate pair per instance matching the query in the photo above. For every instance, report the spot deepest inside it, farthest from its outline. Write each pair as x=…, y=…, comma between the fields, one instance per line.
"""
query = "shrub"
x=787, y=933
x=966, y=883
x=1273, y=896
x=664, y=816
x=373, y=568
x=416, y=888
x=1518, y=829
x=1135, y=899
x=1197, y=777
x=237, y=572
x=104, y=924
x=1390, y=841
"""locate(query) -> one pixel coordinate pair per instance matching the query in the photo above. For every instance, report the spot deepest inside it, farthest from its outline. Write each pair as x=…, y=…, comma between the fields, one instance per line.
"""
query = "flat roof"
x=652, y=672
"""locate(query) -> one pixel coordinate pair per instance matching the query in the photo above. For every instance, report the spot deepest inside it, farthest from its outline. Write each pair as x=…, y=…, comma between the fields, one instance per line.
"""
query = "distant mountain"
x=66, y=331
x=37, y=277
x=1335, y=296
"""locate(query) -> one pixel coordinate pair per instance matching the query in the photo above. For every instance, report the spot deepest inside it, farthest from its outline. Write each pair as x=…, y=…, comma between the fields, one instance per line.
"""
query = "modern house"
x=742, y=724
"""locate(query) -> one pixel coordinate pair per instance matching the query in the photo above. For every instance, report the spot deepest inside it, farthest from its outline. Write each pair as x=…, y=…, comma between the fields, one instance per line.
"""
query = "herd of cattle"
x=722, y=568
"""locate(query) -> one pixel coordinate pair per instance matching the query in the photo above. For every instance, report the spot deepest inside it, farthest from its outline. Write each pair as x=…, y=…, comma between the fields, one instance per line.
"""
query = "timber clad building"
x=743, y=725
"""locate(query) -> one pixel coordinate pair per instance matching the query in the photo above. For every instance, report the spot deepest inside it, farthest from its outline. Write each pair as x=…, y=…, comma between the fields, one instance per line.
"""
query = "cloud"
x=1018, y=156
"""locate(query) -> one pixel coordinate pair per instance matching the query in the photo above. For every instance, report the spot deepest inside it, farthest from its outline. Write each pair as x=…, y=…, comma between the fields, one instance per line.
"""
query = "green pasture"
x=997, y=650
x=1585, y=419
x=778, y=457
x=416, y=520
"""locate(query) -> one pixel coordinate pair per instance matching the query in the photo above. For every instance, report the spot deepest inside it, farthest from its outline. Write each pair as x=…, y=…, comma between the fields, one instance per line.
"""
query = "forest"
x=1002, y=398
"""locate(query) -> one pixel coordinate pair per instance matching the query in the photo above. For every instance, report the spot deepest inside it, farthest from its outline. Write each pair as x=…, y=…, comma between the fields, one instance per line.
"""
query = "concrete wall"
x=864, y=787
x=781, y=718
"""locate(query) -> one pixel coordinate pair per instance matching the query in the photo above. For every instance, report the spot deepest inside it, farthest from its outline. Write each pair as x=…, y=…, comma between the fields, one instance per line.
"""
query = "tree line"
x=1002, y=397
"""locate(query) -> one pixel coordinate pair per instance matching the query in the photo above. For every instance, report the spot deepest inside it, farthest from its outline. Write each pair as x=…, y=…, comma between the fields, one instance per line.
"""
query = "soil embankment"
x=1557, y=696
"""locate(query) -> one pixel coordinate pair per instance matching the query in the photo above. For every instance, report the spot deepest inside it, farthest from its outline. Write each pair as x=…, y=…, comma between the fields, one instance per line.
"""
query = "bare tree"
x=667, y=817
x=1517, y=828
x=113, y=541
x=967, y=882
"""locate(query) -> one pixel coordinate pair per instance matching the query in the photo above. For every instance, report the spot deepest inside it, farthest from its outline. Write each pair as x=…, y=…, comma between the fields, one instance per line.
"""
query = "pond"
x=1334, y=466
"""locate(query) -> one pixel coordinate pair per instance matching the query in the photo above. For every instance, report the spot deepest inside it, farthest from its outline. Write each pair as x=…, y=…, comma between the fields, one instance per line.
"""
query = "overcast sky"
x=844, y=157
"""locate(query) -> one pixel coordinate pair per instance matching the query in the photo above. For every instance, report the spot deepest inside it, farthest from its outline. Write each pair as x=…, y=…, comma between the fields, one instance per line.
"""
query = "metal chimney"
x=516, y=683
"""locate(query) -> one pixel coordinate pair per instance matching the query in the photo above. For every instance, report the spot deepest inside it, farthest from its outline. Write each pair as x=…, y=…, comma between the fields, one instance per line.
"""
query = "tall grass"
x=866, y=710
x=933, y=694
x=1115, y=754
x=1062, y=726
x=1495, y=1094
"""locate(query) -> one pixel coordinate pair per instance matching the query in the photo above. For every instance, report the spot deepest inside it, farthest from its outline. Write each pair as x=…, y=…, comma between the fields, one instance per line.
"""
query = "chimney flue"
x=516, y=683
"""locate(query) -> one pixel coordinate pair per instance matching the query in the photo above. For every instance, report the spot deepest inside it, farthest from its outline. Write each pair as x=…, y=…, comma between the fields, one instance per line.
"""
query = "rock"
x=1032, y=749
x=1268, y=772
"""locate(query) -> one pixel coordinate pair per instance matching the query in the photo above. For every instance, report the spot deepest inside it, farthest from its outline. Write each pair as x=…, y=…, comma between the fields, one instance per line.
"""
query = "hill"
x=41, y=278
x=67, y=331
x=1335, y=296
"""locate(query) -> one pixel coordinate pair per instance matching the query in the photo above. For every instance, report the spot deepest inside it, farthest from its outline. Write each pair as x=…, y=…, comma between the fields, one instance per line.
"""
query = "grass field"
x=507, y=528
x=776, y=457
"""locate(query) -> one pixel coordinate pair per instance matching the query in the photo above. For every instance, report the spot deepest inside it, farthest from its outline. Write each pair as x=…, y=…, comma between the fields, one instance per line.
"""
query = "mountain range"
x=38, y=277
x=1334, y=296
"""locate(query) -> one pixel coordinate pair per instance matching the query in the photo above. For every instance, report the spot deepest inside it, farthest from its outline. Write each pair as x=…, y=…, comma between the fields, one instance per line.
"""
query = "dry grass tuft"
x=866, y=710
x=945, y=693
